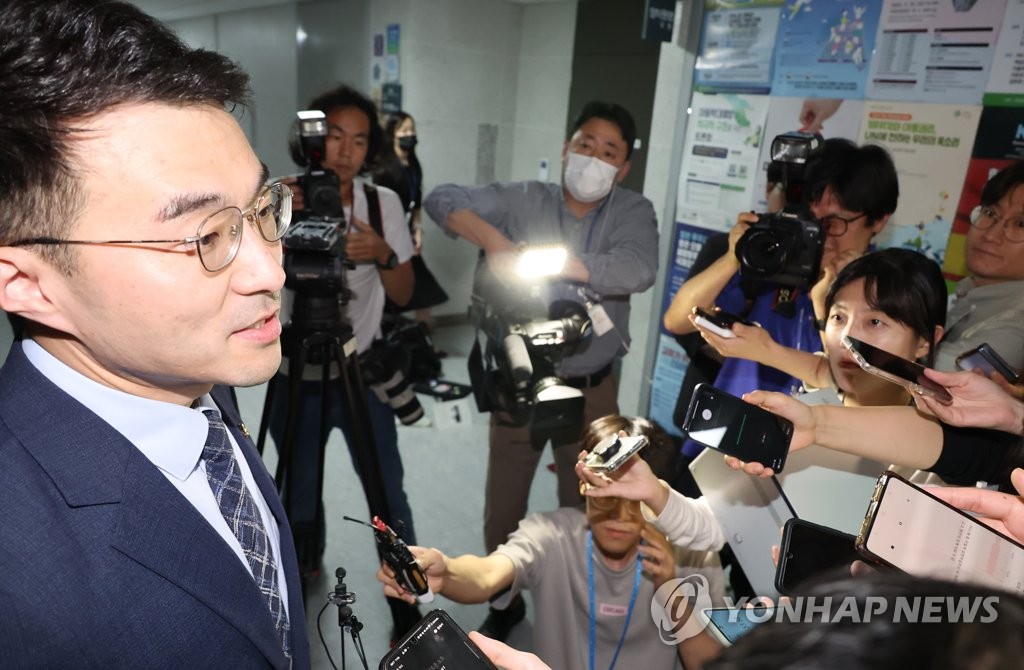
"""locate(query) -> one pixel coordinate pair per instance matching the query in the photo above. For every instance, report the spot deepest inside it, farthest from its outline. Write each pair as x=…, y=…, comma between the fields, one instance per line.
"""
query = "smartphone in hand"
x=908, y=374
x=808, y=549
x=436, y=642
x=735, y=427
x=611, y=452
x=720, y=323
x=988, y=361
x=910, y=529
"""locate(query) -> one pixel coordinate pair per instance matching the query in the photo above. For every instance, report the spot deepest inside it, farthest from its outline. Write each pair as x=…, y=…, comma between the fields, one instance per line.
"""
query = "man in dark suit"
x=140, y=247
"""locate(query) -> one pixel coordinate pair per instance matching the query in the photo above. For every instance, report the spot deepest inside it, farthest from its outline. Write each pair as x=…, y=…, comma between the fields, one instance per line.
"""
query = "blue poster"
x=824, y=47
x=671, y=361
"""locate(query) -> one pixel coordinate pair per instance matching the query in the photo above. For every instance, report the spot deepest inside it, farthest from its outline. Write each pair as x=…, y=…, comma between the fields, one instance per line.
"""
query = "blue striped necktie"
x=239, y=510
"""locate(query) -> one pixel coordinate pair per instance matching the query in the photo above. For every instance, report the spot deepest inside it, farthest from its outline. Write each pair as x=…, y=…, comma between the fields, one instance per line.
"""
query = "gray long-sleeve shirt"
x=617, y=241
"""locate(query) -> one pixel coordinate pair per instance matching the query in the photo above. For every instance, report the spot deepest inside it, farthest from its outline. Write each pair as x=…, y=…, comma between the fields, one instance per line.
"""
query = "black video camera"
x=516, y=372
x=785, y=248
x=315, y=244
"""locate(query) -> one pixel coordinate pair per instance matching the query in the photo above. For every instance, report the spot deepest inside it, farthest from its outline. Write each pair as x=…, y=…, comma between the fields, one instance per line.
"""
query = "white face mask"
x=588, y=178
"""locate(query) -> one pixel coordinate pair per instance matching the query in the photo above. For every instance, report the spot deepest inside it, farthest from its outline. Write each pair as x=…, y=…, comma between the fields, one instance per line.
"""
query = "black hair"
x=391, y=173
x=346, y=96
x=1004, y=181
x=905, y=285
x=65, y=61
x=836, y=636
x=612, y=113
x=863, y=179
x=659, y=452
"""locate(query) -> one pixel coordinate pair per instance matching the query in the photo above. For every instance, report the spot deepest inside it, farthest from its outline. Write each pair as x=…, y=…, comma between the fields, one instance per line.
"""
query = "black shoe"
x=499, y=623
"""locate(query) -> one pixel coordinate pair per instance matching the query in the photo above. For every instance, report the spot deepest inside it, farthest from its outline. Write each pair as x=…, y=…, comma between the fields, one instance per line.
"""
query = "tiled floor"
x=444, y=473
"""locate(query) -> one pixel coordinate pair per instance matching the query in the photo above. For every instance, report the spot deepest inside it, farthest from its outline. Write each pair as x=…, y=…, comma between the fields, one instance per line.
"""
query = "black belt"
x=588, y=381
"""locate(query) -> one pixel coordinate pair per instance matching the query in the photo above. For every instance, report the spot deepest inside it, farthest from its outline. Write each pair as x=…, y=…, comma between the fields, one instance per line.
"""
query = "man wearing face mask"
x=611, y=236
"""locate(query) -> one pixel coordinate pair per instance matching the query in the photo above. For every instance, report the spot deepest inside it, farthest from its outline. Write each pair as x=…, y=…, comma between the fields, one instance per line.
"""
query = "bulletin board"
x=938, y=83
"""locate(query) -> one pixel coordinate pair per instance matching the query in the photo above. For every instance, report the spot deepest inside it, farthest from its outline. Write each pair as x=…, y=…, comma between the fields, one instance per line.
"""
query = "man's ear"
x=623, y=171
x=23, y=276
x=879, y=225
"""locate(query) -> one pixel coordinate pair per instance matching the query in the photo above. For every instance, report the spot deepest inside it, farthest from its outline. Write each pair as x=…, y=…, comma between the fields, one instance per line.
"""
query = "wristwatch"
x=391, y=263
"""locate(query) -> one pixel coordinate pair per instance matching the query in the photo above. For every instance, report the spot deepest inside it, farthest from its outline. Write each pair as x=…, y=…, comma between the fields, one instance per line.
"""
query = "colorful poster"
x=833, y=117
x=723, y=141
x=935, y=51
x=1000, y=142
x=824, y=47
x=736, y=47
x=671, y=360
x=931, y=146
x=1006, y=80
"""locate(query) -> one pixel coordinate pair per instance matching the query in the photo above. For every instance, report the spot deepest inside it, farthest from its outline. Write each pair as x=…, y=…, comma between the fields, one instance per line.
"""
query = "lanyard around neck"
x=593, y=617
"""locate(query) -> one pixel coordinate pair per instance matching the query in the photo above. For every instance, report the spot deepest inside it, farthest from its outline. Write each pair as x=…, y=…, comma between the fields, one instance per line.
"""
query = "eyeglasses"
x=835, y=225
x=219, y=235
x=984, y=217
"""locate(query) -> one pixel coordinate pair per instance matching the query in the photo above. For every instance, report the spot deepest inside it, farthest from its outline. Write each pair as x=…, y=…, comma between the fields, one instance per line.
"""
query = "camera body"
x=786, y=247
x=517, y=371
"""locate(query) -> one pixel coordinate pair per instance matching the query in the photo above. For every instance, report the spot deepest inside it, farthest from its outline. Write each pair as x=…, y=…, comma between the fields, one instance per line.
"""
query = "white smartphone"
x=728, y=624
x=611, y=452
x=912, y=530
x=890, y=367
x=720, y=323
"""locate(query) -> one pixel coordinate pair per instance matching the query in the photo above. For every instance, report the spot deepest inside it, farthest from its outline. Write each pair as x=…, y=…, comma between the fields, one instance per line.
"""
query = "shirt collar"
x=170, y=436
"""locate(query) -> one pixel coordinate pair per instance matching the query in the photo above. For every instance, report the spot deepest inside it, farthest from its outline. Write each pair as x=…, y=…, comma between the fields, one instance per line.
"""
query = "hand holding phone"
x=737, y=428
x=986, y=359
x=611, y=452
x=913, y=530
x=890, y=367
x=729, y=624
x=718, y=322
x=436, y=642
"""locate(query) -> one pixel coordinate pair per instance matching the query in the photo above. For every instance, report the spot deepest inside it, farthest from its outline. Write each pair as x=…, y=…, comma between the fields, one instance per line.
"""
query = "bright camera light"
x=540, y=262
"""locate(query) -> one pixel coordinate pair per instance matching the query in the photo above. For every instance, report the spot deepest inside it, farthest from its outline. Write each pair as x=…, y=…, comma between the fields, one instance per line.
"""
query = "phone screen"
x=807, y=550
x=436, y=642
x=727, y=423
x=731, y=624
x=896, y=369
x=924, y=536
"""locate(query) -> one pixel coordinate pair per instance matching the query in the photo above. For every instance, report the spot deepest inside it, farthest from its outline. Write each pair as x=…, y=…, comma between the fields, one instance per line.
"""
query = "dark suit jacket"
x=104, y=564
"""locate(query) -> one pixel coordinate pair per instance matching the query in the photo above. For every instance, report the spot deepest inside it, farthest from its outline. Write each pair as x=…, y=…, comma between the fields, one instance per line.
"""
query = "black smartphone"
x=718, y=322
x=910, y=529
x=732, y=426
x=988, y=360
x=435, y=642
x=808, y=549
x=908, y=374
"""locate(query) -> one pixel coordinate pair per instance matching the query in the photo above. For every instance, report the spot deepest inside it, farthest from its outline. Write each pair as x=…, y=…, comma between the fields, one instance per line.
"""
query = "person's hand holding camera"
x=744, y=220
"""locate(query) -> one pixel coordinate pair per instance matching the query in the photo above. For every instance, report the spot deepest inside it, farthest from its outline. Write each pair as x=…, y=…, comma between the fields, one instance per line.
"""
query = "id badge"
x=599, y=319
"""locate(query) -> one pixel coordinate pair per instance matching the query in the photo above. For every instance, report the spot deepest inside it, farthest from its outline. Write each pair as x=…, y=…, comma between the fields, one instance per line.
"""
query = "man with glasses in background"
x=852, y=191
x=989, y=305
x=140, y=250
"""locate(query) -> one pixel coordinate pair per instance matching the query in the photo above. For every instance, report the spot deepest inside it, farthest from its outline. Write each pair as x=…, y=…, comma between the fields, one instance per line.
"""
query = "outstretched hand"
x=504, y=656
x=434, y=568
x=977, y=402
x=804, y=426
x=1000, y=511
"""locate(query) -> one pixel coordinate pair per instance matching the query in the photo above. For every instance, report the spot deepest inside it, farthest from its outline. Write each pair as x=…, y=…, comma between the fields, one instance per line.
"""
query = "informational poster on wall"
x=723, y=142
x=1000, y=142
x=671, y=360
x=1006, y=80
x=824, y=46
x=829, y=117
x=931, y=146
x=736, y=46
x=935, y=51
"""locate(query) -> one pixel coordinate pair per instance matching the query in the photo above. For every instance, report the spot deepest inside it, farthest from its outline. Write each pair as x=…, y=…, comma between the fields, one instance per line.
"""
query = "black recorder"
x=396, y=554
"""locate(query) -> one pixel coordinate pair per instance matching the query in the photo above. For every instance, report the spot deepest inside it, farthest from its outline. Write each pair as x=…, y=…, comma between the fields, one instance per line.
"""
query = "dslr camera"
x=515, y=371
x=785, y=248
x=315, y=244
